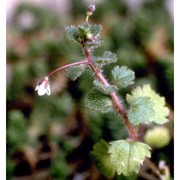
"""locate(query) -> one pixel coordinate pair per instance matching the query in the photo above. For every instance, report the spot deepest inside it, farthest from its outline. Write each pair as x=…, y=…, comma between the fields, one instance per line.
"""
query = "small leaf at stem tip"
x=95, y=29
x=72, y=32
x=127, y=156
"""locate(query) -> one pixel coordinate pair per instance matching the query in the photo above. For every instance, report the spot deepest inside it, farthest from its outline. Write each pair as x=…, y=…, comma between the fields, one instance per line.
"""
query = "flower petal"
x=41, y=90
x=48, y=90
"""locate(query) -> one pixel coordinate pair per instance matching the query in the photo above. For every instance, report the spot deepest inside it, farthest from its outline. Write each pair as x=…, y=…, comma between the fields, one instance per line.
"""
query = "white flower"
x=43, y=87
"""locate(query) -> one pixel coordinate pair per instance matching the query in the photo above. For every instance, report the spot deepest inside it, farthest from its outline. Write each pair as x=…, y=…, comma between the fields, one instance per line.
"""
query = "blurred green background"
x=50, y=137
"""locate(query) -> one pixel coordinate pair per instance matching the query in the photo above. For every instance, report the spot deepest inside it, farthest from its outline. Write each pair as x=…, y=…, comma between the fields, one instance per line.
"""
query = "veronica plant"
x=145, y=106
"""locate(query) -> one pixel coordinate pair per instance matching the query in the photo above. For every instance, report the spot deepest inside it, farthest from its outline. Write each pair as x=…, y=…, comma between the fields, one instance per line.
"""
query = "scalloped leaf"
x=95, y=100
x=127, y=156
x=102, y=159
x=141, y=111
x=161, y=111
x=72, y=32
x=94, y=44
x=104, y=89
x=75, y=71
x=95, y=29
x=83, y=31
x=123, y=76
x=90, y=28
x=107, y=58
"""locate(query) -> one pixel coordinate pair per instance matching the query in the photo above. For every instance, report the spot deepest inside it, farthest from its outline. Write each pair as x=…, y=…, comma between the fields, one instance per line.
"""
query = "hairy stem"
x=114, y=97
x=66, y=66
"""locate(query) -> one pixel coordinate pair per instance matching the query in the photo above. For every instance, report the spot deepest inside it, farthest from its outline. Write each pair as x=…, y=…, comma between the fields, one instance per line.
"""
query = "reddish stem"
x=115, y=99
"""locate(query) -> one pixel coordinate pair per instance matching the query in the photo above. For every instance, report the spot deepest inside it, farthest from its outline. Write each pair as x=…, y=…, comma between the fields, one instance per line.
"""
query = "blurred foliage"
x=59, y=168
x=16, y=135
x=36, y=44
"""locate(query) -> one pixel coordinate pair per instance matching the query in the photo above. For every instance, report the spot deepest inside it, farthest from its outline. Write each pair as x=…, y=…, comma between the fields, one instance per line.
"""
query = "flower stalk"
x=43, y=86
x=85, y=62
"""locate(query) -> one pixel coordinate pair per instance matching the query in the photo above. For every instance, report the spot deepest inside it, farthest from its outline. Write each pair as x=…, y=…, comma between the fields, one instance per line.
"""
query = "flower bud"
x=91, y=8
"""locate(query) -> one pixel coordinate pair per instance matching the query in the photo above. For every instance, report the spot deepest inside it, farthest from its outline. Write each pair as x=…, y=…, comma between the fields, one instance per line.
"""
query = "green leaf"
x=92, y=29
x=95, y=29
x=107, y=58
x=72, y=32
x=75, y=71
x=85, y=31
x=141, y=110
x=95, y=100
x=105, y=89
x=102, y=159
x=82, y=32
x=88, y=28
x=94, y=44
x=161, y=112
x=127, y=156
x=123, y=76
